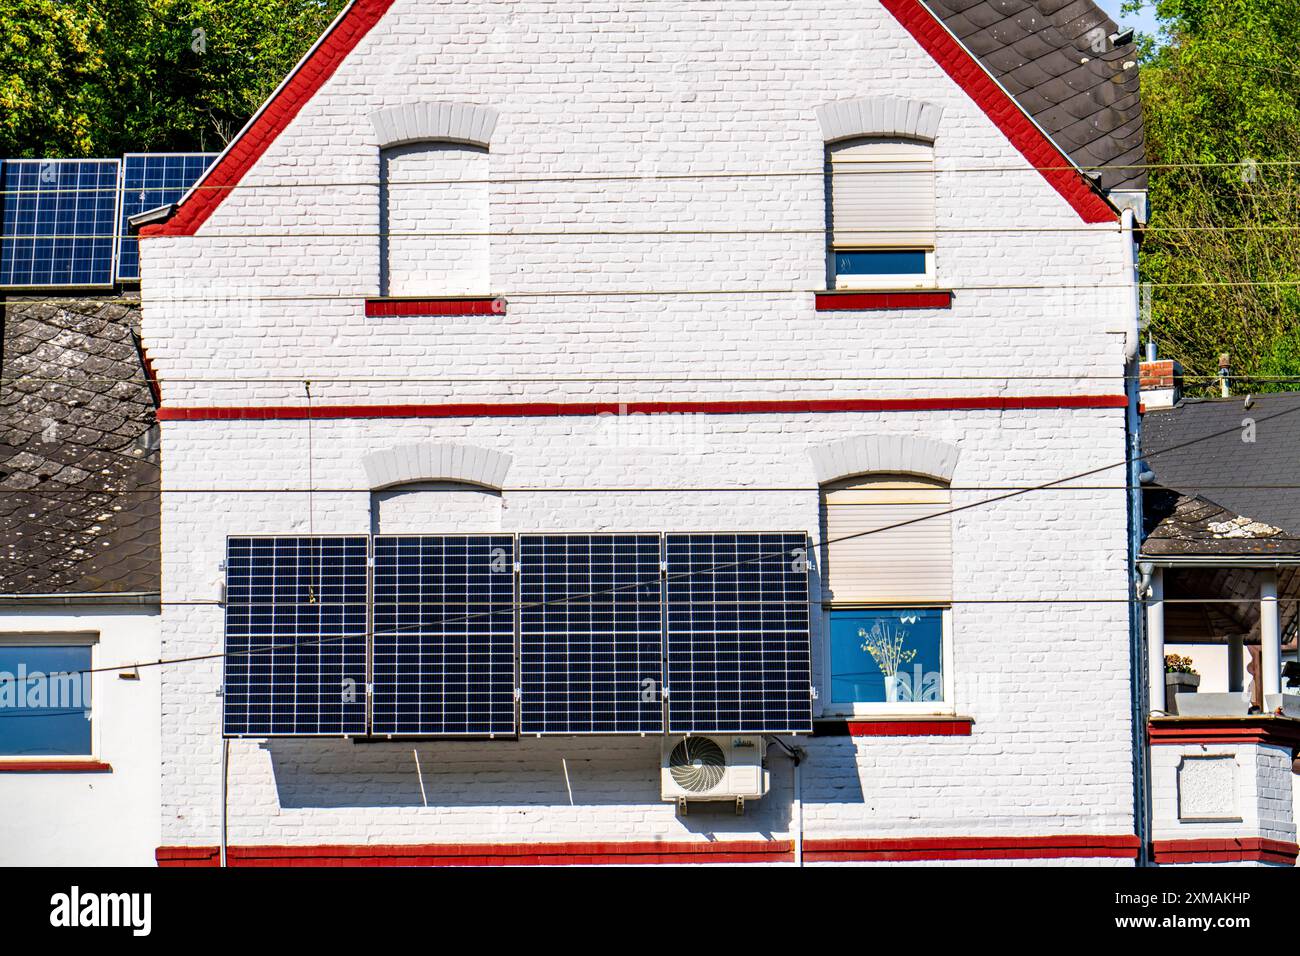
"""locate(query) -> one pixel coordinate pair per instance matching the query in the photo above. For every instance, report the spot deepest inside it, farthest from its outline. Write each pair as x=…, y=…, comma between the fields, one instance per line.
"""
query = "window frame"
x=866, y=282
x=936, y=708
x=89, y=640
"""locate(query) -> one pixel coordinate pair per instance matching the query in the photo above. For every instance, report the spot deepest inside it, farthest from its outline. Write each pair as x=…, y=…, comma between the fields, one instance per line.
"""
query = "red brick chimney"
x=1161, y=381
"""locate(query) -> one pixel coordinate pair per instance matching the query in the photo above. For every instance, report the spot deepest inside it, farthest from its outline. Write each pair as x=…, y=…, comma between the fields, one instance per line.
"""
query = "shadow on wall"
x=532, y=772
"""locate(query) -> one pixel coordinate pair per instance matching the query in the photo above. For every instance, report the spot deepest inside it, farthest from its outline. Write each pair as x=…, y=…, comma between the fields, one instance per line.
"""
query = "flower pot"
x=1176, y=682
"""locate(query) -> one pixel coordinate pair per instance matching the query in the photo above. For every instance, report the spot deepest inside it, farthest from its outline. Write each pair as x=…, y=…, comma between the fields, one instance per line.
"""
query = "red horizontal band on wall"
x=356, y=21
x=487, y=854
x=1282, y=732
x=1123, y=847
x=54, y=766
x=655, y=852
x=999, y=107
x=385, y=308
x=910, y=728
x=548, y=409
x=877, y=301
x=1230, y=850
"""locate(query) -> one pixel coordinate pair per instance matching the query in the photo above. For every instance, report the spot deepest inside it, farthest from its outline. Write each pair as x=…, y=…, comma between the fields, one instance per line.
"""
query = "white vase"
x=891, y=688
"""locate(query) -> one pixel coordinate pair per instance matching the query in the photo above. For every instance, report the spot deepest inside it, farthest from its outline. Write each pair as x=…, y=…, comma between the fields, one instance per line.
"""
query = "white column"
x=1156, y=642
x=1270, y=634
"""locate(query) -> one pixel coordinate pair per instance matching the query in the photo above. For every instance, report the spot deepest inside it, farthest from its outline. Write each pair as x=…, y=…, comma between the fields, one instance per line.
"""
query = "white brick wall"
x=660, y=88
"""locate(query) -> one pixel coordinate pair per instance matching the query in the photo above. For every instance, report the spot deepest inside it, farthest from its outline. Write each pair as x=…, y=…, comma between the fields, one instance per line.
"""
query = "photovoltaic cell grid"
x=444, y=635
x=295, y=660
x=149, y=181
x=737, y=633
x=590, y=642
x=57, y=222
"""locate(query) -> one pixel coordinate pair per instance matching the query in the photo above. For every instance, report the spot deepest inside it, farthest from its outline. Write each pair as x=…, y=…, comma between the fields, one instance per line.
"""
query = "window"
x=888, y=593
x=881, y=213
x=434, y=220
x=45, y=699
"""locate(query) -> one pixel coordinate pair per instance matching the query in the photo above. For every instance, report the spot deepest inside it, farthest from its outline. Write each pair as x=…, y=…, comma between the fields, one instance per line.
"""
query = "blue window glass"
x=44, y=700
x=888, y=263
x=887, y=655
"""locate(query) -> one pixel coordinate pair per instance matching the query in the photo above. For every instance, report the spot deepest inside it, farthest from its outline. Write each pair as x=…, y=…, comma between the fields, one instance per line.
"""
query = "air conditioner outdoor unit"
x=713, y=768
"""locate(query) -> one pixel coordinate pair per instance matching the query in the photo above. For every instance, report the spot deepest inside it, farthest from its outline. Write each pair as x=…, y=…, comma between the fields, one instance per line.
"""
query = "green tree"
x=51, y=64
x=1222, y=101
x=104, y=77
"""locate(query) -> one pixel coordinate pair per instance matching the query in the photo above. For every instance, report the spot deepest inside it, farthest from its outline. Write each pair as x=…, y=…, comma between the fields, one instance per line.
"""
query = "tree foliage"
x=1222, y=103
x=104, y=77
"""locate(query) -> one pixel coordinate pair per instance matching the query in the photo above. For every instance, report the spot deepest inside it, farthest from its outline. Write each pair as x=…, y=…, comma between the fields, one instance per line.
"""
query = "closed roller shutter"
x=882, y=195
x=912, y=564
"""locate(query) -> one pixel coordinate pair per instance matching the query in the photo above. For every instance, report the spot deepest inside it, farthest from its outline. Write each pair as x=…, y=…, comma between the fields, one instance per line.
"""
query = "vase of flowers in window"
x=885, y=644
x=1180, y=678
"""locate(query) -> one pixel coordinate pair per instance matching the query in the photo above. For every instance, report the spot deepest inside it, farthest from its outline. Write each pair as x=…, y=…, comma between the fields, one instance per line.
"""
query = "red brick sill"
x=458, y=305
x=880, y=301
x=54, y=766
x=895, y=727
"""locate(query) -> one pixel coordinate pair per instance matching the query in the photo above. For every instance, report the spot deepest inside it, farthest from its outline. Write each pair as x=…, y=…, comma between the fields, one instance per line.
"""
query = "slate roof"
x=1226, y=495
x=79, y=465
x=1042, y=52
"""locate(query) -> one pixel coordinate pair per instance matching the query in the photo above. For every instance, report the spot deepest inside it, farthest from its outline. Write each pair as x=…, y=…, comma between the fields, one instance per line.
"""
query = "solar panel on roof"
x=737, y=633
x=150, y=180
x=295, y=661
x=590, y=640
x=58, y=219
x=444, y=636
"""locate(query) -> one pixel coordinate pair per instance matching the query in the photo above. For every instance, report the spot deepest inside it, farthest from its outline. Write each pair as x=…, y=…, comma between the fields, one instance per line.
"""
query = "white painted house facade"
x=594, y=268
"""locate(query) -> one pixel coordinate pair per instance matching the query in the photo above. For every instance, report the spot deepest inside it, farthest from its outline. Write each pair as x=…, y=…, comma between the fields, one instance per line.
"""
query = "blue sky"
x=1144, y=21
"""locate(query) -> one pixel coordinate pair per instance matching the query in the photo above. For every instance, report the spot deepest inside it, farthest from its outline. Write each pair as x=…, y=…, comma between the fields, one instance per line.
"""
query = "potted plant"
x=1180, y=676
x=885, y=645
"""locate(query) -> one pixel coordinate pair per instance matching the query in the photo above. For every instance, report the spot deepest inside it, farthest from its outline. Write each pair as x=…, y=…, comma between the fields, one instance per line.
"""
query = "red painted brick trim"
x=384, y=308
x=653, y=852
x=998, y=105
x=1280, y=731
x=943, y=727
x=549, y=409
x=1124, y=847
x=877, y=301
x=54, y=766
x=1231, y=850
x=357, y=21
x=659, y=852
x=487, y=854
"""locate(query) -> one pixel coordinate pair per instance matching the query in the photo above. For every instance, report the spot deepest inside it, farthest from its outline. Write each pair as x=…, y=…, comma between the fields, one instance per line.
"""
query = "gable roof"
x=1224, y=495
x=361, y=16
x=1044, y=52
x=79, y=499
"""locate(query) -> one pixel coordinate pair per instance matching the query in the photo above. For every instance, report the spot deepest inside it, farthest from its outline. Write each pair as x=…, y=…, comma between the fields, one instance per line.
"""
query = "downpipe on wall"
x=796, y=755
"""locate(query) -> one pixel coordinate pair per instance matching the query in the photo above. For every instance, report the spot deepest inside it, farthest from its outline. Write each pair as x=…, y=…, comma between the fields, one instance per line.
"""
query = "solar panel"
x=150, y=180
x=444, y=635
x=590, y=639
x=296, y=618
x=58, y=222
x=737, y=633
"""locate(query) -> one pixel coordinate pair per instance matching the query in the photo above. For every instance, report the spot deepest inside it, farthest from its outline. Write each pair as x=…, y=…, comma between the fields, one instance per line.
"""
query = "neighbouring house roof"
x=1223, y=497
x=79, y=463
x=1226, y=495
x=1045, y=53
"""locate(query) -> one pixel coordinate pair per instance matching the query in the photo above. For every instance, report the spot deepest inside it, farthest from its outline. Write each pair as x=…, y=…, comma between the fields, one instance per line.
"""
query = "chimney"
x=1161, y=381
x=1225, y=373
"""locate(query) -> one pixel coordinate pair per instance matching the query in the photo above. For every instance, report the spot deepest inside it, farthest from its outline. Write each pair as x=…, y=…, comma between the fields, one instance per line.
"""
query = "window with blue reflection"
x=893, y=262
x=887, y=655
x=44, y=700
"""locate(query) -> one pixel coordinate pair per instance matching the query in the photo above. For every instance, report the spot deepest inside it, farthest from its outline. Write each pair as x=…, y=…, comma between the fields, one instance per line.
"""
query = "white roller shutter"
x=882, y=194
x=912, y=564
